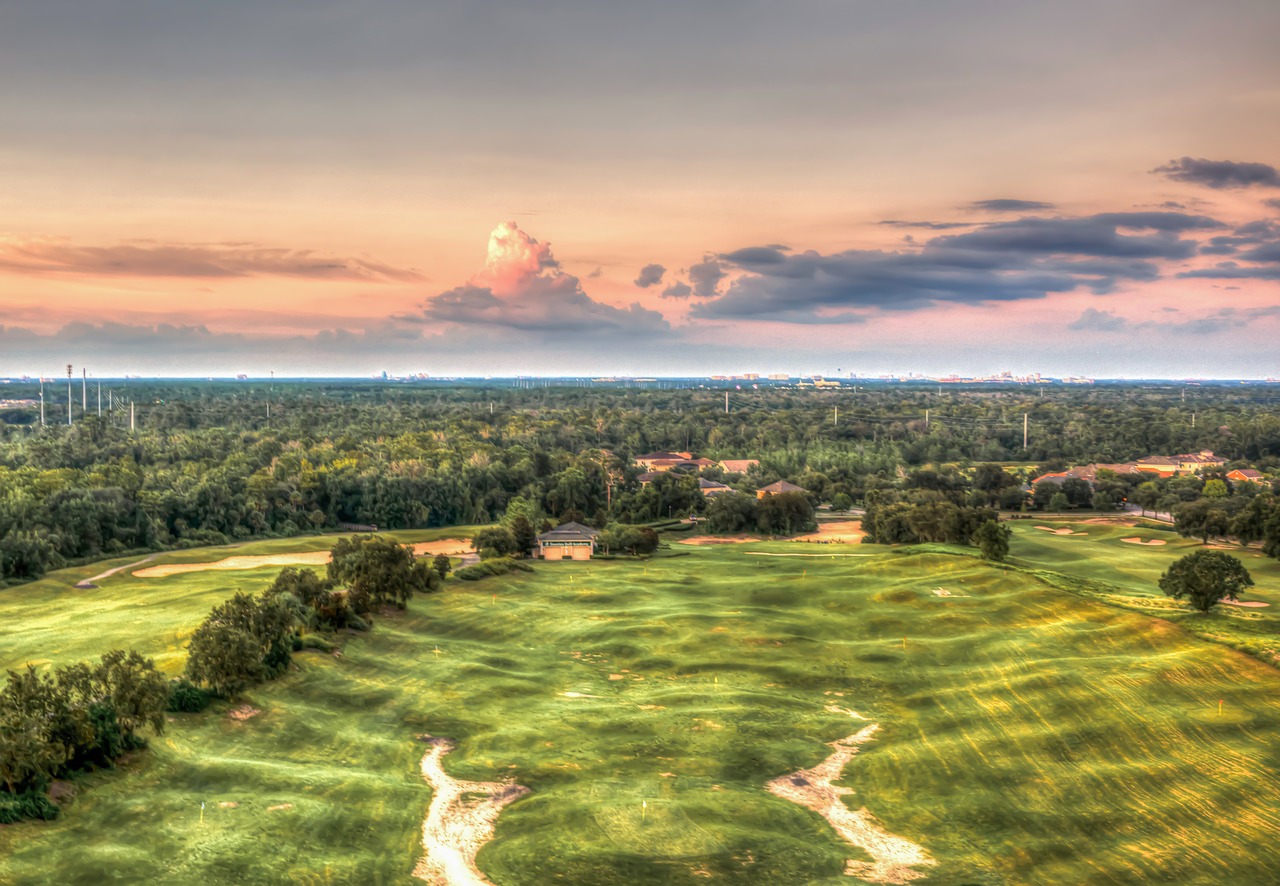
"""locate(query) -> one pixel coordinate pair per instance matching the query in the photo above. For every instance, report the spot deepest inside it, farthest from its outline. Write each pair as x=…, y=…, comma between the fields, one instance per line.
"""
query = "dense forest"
x=210, y=462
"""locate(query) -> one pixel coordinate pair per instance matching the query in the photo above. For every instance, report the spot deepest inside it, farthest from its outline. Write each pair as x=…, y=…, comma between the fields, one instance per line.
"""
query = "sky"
x=492, y=187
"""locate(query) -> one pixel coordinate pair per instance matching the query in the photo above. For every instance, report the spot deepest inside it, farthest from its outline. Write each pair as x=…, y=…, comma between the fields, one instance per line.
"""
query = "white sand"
x=459, y=821
x=451, y=546
x=895, y=858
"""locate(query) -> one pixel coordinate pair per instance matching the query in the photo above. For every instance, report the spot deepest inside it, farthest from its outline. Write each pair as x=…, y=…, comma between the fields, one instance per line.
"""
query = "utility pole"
x=1024, y=429
x=42, y=401
x=836, y=419
x=99, y=398
x=131, y=421
x=84, y=391
x=726, y=402
x=1193, y=421
x=68, y=395
x=926, y=418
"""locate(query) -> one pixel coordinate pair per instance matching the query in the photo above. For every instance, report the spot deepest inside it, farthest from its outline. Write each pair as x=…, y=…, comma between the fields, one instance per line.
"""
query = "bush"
x=494, y=566
x=27, y=806
x=186, y=698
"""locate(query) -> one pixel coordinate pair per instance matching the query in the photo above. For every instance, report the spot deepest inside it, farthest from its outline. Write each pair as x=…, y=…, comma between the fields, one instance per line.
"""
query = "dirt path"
x=452, y=546
x=459, y=821
x=89, y=582
x=895, y=858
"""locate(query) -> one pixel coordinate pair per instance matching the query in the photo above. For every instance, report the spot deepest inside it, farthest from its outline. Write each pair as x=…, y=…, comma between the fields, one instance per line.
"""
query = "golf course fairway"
x=1022, y=733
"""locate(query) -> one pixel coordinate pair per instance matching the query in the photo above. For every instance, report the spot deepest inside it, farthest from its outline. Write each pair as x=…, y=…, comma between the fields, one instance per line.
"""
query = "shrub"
x=186, y=698
x=494, y=566
x=27, y=806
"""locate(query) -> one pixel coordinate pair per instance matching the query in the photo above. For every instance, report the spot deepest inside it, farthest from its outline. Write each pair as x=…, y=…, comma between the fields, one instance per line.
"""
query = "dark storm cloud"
x=1220, y=174
x=677, y=290
x=1273, y=203
x=926, y=225
x=705, y=276
x=1026, y=258
x=148, y=259
x=650, y=275
x=1008, y=205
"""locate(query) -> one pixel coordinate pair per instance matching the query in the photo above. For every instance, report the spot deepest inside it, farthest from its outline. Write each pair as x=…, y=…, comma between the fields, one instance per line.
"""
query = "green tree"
x=380, y=570
x=1058, y=502
x=1201, y=519
x=442, y=565
x=1214, y=489
x=840, y=502
x=992, y=538
x=495, y=541
x=1205, y=578
x=1146, y=496
x=731, y=512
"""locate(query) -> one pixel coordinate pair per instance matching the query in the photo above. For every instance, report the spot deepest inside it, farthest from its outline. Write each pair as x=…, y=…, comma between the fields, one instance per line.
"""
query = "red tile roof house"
x=647, y=461
x=738, y=465
x=1190, y=463
x=1246, y=475
x=778, y=488
x=1087, y=473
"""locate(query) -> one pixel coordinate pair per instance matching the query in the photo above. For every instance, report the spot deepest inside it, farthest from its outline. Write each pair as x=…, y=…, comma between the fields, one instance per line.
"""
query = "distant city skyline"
x=488, y=188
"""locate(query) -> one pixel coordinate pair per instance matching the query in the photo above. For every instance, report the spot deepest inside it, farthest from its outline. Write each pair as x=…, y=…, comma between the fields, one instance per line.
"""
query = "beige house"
x=568, y=541
x=778, y=488
x=738, y=465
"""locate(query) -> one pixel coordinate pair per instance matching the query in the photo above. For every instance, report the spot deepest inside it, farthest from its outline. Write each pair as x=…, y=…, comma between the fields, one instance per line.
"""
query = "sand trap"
x=895, y=857
x=88, y=583
x=459, y=821
x=1063, y=531
x=846, y=531
x=718, y=540
x=943, y=592
x=1247, y=604
x=452, y=546
x=1138, y=541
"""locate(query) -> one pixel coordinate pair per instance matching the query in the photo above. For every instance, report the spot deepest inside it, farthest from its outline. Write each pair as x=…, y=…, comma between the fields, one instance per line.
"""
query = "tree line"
x=206, y=465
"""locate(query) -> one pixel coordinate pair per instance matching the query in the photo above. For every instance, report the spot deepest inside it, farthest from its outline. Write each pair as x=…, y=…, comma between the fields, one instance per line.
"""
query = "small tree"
x=841, y=501
x=442, y=565
x=1205, y=578
x=1058, y=502
x=992, y=538
x=494, y=541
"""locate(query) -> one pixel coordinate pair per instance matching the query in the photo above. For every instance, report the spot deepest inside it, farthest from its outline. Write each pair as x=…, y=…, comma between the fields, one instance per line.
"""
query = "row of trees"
x=72, y=719
x=249, y=639
x=207, y=466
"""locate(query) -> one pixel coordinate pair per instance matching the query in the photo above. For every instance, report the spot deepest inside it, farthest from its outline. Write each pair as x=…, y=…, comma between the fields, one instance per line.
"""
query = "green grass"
x=1029, y=735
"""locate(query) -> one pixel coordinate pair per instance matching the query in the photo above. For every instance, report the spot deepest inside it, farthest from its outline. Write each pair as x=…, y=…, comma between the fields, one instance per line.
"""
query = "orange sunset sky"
x=564, y=188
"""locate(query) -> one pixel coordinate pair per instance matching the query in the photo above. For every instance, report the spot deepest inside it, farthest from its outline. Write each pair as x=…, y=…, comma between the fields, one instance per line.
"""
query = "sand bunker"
x=895, y=858
x=1140, y=541
x=459, y=821
x=837, y=531
x=1063, y=531
x=451, y=546
x=1247, y=604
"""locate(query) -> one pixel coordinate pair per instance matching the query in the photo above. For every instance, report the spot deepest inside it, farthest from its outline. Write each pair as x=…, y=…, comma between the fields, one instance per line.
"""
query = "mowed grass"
x=53, y=621
x=1028, y=735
